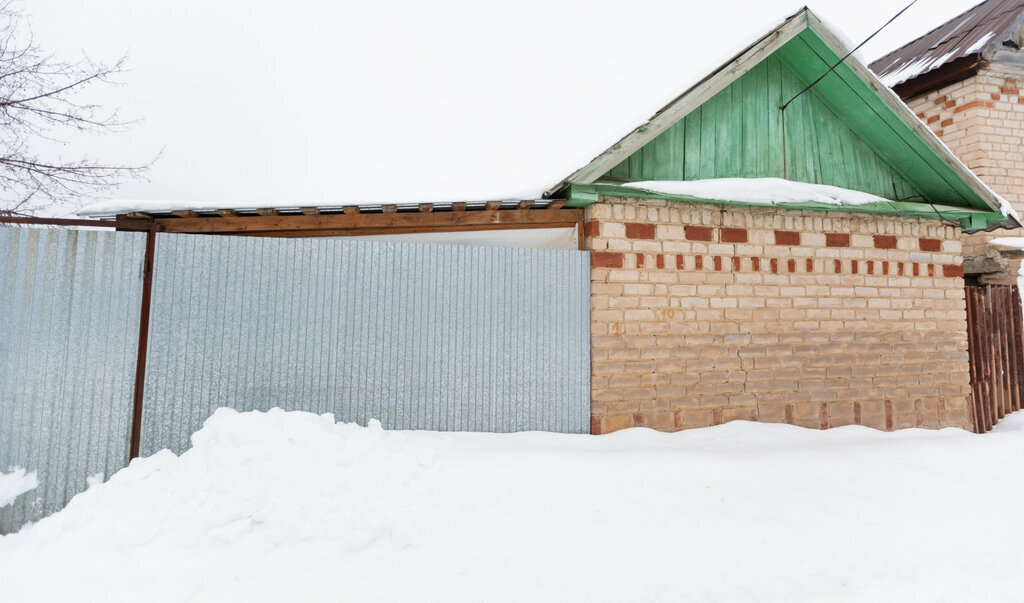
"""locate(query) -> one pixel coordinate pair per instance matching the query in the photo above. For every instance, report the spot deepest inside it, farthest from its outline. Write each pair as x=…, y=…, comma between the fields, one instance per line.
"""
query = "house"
x=781, y=242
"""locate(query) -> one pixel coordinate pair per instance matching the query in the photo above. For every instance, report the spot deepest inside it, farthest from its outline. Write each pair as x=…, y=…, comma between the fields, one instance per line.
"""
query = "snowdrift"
x=293, y=506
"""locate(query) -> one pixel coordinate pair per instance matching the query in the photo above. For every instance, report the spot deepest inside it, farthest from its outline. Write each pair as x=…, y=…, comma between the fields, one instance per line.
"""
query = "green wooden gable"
x=847, y=131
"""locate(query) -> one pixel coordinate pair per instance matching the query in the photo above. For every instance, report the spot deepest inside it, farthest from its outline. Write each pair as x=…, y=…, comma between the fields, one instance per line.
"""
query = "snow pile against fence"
x=292, y=506
x=15, y=483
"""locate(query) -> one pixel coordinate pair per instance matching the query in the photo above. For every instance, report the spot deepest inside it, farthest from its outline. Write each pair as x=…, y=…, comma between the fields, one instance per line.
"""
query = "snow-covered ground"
x=292, y=506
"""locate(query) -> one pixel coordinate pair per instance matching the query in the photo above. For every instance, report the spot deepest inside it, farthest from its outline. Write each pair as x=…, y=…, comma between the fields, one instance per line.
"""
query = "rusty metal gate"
x=996, y=354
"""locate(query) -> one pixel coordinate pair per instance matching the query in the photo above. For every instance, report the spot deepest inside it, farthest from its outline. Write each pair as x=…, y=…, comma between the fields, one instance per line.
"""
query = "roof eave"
x=903, y=111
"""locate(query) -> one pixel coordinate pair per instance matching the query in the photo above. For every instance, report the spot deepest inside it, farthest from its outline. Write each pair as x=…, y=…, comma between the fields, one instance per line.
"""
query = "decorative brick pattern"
x=981, y=119
x=706, y=331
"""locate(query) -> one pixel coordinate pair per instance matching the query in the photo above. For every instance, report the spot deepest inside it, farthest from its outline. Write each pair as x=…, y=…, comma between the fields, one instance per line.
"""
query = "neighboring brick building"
x=964, y=80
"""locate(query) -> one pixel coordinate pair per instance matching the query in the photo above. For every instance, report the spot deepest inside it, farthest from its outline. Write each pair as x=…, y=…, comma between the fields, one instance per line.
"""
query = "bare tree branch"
x=39, y=97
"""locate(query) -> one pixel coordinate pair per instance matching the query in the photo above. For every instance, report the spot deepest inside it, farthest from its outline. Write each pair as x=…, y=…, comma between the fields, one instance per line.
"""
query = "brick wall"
x=702, y=315
x=981, y=119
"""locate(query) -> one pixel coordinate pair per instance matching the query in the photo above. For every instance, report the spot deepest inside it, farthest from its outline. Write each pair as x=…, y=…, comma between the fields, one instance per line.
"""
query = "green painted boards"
x=840, y=132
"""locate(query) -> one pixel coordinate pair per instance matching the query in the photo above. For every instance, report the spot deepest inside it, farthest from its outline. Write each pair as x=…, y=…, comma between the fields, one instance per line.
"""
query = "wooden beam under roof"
x=339, y=224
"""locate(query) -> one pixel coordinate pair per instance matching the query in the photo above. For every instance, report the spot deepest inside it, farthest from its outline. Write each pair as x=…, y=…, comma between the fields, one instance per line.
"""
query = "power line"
x=830, y=69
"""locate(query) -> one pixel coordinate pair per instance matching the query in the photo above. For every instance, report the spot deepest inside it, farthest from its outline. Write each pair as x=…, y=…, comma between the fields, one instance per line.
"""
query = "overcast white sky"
x=375, y=101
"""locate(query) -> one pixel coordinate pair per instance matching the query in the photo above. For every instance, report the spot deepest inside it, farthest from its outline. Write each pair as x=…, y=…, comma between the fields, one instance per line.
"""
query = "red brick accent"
x=775, y=265
x=595, y=425
x=1006, y=90
x=938, y=133
x=931, y=270
x=680, y=263
x=638, y=419
x=787, y=237
x=929, y=244
x=917, y=269
x=888, y=414
x=885, y=268
x=592, y=228
x=640, y=231
x=605, y=259
x=952, y=270
x=659, y=261
x=871, y=267
x=946, y=122
x=699, y=262
x=885, y=242
x=995, y=96
x=789, y=414
x=899, y=268
x=933, y=118
x=853, y=266
x=810, y=265
x=716, y=416
x=734, y=235
x=718, y=262
x=836, y=239
x=970, y=105
x=858, y=413
x=940, y=100
x=698, y=233
x=639, y=260
x=736, y=263
x=950, y=105
x=823, y=416
x=792, y=265
x=839, y=266
x=755, y=264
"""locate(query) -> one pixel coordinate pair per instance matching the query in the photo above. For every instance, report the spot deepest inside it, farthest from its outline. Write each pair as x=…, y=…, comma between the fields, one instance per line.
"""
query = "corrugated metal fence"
x=417, y=336
x=70, y=306
x=996, y=358
x=453, y=338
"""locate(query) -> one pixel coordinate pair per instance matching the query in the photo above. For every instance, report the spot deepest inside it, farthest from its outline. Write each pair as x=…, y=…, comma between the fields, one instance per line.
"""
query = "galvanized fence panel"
x=417, y=336
x=70, y=306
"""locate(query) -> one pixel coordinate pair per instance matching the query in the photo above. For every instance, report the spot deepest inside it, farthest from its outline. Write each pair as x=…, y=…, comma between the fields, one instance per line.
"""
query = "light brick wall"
x=981, y=119
x=702, y=315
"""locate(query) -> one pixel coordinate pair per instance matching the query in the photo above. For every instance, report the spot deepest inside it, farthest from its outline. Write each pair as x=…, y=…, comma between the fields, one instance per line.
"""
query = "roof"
x=868, y=107
x=858, y=95
x=975, y=35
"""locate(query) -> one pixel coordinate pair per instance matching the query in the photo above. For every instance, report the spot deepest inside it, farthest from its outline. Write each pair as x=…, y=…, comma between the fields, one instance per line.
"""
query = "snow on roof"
x=764, y=191
x=314, y=103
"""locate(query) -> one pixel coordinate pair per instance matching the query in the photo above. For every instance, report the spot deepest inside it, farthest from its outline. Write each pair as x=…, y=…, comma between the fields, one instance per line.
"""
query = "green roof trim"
x=970, y=219
x=847, y=130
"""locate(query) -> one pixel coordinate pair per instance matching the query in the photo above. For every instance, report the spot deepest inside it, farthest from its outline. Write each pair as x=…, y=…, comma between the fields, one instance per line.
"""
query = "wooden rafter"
x=364, y=223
